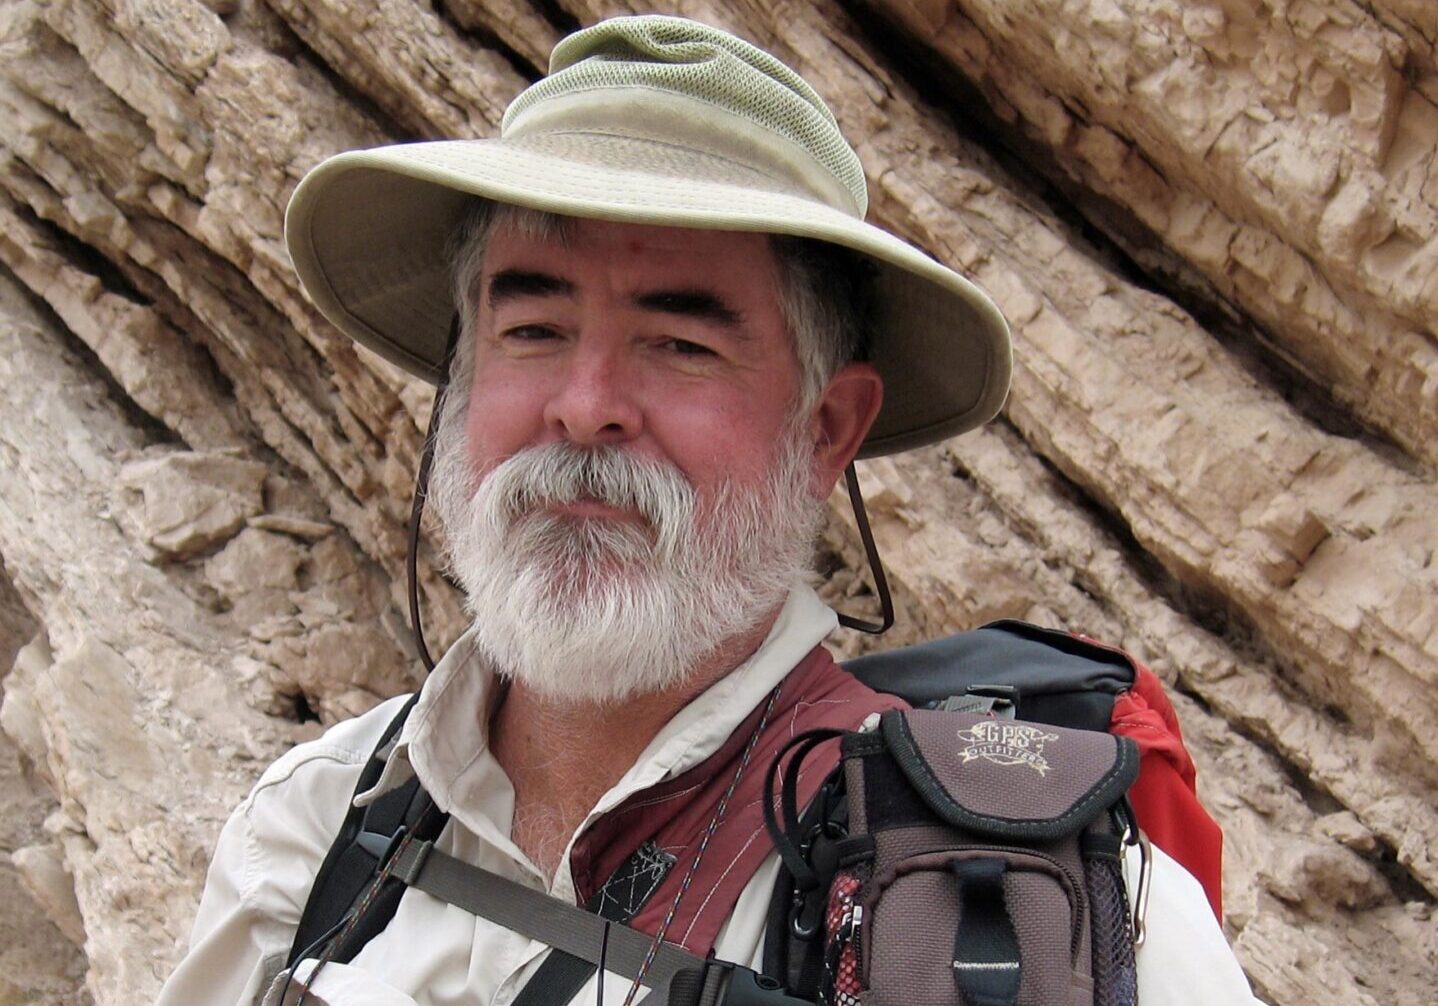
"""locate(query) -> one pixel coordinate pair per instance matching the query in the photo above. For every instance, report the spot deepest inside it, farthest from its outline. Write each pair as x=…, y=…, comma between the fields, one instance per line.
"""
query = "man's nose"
x=595, y=402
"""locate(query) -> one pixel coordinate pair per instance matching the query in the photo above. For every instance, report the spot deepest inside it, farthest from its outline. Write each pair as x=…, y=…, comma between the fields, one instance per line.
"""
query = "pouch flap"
x=1009, y=778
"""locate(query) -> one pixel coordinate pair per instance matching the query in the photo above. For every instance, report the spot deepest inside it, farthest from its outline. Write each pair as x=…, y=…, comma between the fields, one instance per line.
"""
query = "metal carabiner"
x=1145, y=880
x=1133, y=835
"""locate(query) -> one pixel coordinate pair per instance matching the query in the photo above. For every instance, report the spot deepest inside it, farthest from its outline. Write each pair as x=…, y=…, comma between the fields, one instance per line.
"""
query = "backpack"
x=981, y=857
x=1068, y=683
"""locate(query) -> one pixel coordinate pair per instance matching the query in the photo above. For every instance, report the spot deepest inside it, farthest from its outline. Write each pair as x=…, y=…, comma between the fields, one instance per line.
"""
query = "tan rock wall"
x=1211, y=225
x=1283, y=150
x=40, y=958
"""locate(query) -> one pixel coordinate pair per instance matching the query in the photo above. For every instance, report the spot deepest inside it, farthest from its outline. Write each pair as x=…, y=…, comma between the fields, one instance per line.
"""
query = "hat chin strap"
x=421, y=493
x=876, y=566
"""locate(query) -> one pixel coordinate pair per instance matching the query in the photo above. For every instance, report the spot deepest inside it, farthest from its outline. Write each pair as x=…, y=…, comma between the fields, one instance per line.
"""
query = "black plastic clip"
x=998, y=701
x=381, y=847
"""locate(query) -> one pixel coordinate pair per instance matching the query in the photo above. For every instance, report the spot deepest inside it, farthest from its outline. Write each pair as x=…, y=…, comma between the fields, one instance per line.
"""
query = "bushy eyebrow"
x=511, y=284
x=688, y=302
x=691, y=303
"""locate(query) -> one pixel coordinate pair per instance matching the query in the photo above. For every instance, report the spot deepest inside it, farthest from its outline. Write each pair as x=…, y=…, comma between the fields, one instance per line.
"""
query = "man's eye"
x=530, y=333
x=686, y=348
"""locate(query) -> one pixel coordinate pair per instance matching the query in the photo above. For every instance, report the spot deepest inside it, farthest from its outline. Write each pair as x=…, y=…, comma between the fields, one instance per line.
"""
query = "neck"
x=563, y=756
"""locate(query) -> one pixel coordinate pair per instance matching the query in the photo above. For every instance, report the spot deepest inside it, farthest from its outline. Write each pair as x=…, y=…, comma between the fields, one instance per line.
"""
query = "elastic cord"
x=328, y=935
x=421, y=493
x=876, y=566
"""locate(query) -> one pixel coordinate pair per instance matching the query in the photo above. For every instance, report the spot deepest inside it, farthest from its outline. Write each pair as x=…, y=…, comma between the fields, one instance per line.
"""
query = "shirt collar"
x=445, y=740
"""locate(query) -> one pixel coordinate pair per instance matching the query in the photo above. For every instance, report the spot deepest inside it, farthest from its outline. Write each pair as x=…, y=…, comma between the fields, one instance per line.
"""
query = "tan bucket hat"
x=655, y=120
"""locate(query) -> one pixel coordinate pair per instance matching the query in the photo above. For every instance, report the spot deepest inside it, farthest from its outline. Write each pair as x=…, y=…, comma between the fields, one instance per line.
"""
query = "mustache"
x=567, y=473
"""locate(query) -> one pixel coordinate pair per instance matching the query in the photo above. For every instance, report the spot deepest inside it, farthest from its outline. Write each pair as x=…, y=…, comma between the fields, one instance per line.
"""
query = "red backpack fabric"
x=1164, y=798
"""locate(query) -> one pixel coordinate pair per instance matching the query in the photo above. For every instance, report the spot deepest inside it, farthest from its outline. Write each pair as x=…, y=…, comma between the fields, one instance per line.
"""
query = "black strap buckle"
x=380, y=846
x=999, y=701
x=820, y=850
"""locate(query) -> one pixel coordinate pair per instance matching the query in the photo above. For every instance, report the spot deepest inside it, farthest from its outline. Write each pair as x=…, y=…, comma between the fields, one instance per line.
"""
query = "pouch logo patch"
x=1004, y=742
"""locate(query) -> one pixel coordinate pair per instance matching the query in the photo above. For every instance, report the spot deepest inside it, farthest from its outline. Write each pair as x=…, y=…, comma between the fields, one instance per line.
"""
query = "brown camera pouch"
x=988, y=870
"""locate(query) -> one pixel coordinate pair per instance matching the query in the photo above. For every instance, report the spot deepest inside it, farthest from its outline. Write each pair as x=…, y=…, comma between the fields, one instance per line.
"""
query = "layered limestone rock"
x=41, y=931
x=1280, y=153
x=1211, y=225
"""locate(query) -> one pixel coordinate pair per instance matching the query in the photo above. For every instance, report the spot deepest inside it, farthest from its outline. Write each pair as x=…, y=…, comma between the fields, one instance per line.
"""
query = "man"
x=674, y=333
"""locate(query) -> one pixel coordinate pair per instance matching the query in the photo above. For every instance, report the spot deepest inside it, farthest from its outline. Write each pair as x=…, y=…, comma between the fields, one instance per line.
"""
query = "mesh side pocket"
x=1115, y=976
x=841, y=959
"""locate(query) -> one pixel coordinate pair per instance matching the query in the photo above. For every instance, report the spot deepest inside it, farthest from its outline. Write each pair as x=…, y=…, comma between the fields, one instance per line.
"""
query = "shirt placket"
x=522, y=955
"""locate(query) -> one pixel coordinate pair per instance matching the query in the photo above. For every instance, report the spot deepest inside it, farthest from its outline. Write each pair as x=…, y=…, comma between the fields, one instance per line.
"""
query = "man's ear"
x=841, y=421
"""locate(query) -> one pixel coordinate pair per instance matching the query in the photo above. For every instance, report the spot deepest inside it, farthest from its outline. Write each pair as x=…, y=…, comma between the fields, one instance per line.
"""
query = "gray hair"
x=825, y=294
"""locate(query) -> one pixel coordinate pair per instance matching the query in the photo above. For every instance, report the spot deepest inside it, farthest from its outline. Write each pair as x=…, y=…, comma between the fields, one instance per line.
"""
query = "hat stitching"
x=683, y=188
x=818, y=157
x=784, y=183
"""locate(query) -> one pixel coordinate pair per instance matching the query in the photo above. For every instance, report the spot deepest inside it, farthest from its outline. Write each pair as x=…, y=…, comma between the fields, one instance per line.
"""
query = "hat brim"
x=369, y=233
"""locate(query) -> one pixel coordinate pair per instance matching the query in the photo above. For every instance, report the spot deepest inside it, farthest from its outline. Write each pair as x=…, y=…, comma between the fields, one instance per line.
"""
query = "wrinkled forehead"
x=543, y=233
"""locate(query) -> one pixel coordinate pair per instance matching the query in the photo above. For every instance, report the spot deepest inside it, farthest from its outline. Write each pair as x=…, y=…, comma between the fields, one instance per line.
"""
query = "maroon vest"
x=675, y=813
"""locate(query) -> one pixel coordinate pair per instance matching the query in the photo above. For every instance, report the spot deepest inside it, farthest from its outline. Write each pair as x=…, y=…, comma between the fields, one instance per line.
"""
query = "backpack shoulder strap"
x=358, y=850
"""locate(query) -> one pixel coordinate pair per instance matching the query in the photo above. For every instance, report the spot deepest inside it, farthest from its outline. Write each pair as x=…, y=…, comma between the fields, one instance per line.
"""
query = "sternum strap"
x=536, y=915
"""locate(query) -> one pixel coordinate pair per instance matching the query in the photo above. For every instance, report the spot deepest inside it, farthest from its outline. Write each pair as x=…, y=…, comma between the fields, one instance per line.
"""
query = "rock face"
x=1212, y=225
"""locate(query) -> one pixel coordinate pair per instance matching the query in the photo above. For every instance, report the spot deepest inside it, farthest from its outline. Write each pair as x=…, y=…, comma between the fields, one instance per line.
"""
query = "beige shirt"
x=436, y=954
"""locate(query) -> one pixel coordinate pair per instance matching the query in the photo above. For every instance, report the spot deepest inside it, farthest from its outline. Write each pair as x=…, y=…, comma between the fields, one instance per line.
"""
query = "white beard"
x=592, y=610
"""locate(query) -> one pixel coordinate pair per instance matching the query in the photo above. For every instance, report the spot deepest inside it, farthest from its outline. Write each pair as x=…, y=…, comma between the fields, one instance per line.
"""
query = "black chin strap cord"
x=421, y=493
x=876, y=566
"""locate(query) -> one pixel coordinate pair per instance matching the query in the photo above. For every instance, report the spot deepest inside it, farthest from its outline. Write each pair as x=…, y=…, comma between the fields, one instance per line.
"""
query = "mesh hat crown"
x=651, y=120
x=678, y=58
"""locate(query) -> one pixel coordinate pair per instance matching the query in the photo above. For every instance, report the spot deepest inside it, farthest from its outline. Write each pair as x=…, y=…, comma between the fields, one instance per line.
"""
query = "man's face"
x=634, y=487
x=669, y=343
